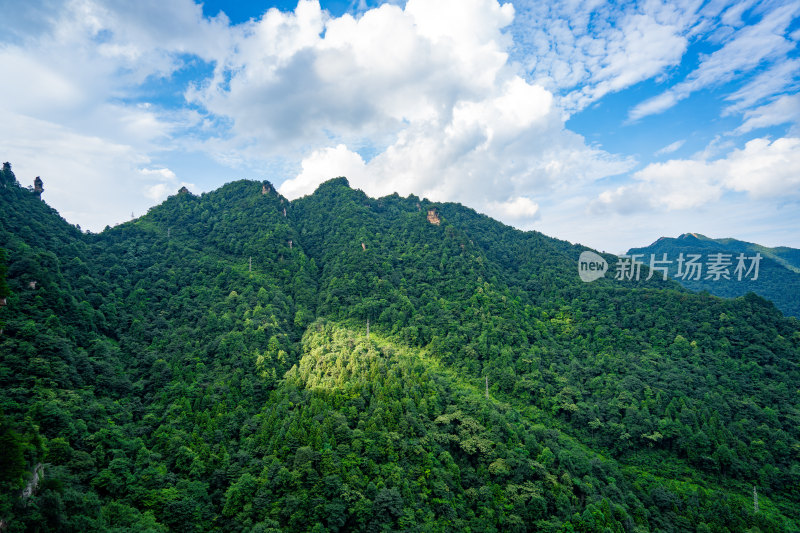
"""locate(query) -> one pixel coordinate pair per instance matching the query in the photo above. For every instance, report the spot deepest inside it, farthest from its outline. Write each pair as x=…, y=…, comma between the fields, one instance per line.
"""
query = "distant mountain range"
x=778, y=269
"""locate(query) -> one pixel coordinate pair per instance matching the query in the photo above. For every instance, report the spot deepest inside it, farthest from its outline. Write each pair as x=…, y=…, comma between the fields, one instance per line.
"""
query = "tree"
x=7, y=176
x=4, y=290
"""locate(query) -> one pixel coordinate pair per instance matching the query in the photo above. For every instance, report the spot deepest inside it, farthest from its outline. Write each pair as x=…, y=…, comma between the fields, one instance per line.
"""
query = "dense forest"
x=235, y=361
x=777, y=278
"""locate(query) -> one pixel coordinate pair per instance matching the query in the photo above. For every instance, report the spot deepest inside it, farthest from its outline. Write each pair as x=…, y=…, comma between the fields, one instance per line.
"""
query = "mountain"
x=777, y=278
x=235, y=361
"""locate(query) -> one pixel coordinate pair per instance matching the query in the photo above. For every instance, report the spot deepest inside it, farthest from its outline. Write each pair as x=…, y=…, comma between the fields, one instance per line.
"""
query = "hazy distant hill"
x=778, y=271
x=207, y=367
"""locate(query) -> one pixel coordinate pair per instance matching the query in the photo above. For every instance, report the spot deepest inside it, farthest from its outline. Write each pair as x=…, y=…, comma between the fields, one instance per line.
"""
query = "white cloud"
x=439, y=108
x=81, y=52
x=454, y=100
x=775, y=80
x=72, y=103
x=766, y=169
x=583, y=50
x=654, y=105
x=493, y=155
x=167, y=183
x=673, y=185
x=740, y=216
x=96, y=194
x=322, y=165
x=157, y=192
x=732, y=15
x=586, y=49
x=517, y=209
x=761, y=169
x=672, y=147
x=680, y=184
x=747, y=49
x=783, y=110
x=34, y=87
x=81, y=63
x=296, y=78
x=163, y=173
x=160, y=191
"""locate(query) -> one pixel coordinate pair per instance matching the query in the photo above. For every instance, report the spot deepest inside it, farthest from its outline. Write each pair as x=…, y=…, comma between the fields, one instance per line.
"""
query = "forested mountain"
x=777, y=279
x=238, y=362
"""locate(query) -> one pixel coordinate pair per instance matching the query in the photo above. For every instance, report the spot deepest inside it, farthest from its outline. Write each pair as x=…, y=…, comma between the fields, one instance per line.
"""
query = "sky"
x=608, y=125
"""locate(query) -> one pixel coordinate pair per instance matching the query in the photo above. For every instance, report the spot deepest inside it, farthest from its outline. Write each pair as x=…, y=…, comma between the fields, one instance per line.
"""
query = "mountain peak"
x=778, y=276
x=697, y=236
x=341, y=181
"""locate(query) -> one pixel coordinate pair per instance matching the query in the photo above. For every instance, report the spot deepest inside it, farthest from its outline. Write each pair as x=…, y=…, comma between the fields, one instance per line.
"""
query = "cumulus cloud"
x=461, y=100
x=494, y=155
x=296, y=78
x=83, y=52
x=765, y=169
x=157, y=192
x=325, y=164
x=73, y=97
x=439, y=107
x=761, y=169
x=163, y=173
x=517, y=209
x=166, y=185
x=95, y=195
x=160, y=191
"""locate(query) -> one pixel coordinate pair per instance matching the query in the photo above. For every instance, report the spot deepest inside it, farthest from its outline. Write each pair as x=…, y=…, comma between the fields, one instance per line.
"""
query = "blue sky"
x=604, y=124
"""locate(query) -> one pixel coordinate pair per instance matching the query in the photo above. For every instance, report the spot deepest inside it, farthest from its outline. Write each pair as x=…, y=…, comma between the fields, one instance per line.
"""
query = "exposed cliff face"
x=33, y=484
x=433, y=216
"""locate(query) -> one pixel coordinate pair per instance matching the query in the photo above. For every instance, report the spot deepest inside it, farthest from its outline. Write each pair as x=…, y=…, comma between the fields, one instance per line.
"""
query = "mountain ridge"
x=206, y=366
x=779, y=268
x=787, y=256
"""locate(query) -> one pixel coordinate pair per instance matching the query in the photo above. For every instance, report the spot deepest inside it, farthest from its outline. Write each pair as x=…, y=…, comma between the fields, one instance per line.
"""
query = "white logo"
x=591, y=266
